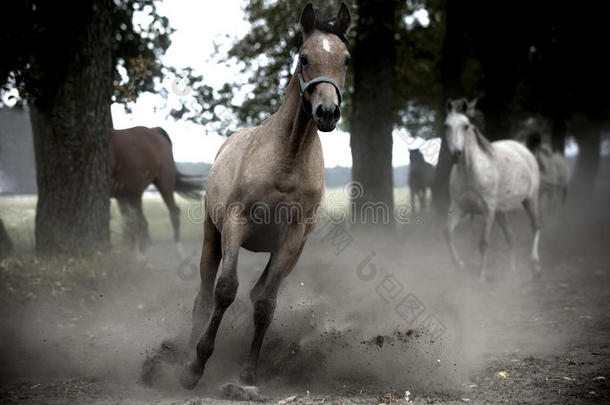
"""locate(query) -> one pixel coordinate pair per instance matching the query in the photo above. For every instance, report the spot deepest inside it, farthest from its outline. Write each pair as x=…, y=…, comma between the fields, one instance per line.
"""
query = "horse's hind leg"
x=264, y=295
x=174, y=211
x=412, y=193
x=232, y=236
x=531, y=207
x=484, y=245
x=453, y=219
x=510, y=237
x=211, y=254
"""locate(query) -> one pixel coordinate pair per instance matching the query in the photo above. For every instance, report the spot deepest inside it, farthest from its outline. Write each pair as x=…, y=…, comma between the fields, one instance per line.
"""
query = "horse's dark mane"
x=533, y=139
x=165, y=134
x=329, y=27
x=483, y=142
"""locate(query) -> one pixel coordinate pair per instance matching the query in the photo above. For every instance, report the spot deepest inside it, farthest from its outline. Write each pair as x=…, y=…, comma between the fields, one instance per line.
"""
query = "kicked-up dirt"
x=363, y=318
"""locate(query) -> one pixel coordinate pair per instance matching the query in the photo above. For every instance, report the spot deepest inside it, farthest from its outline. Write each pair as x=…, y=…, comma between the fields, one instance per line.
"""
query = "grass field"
x=23, y=275
x=18, y=214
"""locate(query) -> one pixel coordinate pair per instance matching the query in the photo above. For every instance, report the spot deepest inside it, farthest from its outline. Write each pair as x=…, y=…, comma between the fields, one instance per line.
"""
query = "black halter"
x=304, y=86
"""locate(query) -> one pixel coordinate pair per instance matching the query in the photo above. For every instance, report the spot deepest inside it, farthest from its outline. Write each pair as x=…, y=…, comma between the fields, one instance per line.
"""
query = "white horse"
x=489, y=179
x=554, y=170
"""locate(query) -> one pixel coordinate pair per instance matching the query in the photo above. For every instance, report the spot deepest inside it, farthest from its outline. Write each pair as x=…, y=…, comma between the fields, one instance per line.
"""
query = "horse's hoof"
x=179, y=250
x=248, y=376
x=190, y=376
x=536, y=270
x=241, y=393
x=149, y=370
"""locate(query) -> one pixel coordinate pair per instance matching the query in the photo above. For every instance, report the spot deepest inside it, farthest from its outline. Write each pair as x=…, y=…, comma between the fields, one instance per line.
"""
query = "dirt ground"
x=364, y=318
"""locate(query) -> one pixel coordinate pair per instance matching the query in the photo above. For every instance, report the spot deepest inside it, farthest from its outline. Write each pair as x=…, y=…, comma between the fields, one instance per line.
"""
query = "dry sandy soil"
x=362, y=319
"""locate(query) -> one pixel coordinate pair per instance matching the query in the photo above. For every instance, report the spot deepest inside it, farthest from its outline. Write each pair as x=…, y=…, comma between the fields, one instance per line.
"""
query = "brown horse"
x=421, y=177
x=263, y=194
x=140, y=156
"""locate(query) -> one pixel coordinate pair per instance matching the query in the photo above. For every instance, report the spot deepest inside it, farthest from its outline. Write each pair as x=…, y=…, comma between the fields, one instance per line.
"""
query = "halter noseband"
x=304, y=86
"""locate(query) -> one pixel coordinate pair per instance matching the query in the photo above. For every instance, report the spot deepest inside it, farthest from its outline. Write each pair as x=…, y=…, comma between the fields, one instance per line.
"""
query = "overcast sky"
x=199, y=25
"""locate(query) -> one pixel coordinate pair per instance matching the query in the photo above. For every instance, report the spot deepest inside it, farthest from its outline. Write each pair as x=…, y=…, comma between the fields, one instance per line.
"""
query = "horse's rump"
x=137, y=155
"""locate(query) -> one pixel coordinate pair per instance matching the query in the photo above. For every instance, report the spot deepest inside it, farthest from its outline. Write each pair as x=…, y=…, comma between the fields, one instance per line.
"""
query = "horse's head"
x=457, y=126
x=323, y=61
x=415, y=155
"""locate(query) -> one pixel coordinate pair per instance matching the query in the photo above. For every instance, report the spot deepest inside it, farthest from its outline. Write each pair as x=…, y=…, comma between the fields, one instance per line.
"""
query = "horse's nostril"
x=319, y=111
x=337, y=112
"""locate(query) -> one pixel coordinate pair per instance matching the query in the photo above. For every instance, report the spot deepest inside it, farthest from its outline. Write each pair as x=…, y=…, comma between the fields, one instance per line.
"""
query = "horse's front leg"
x=129, y=222
x=233, y=234
x=211, y=254
x=510, y=237
x=264, y=293
x=142, y=235
x=484, y=245
x=453, y=219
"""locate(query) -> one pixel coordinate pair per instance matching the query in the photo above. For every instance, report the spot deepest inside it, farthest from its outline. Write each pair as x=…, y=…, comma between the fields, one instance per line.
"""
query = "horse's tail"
x=188, y=186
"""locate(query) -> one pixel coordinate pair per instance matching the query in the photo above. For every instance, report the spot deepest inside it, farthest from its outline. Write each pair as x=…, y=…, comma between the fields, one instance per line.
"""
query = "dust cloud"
x=363, y=309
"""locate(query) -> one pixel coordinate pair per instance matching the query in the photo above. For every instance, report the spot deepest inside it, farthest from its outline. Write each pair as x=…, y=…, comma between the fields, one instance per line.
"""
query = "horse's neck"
x=296, y=130
x=474, y=155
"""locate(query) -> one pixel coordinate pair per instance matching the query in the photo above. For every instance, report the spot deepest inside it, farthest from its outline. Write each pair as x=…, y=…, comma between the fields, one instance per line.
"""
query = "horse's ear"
x=344, y=19
x=463, y=106
x=308, y=19
x=473, y=104
x=449, y=105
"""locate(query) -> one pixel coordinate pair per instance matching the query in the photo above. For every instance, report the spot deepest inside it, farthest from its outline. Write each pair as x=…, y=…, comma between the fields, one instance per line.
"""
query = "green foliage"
x=418, y=86
x=38, y=35
x=137, y=49
x=268, y=51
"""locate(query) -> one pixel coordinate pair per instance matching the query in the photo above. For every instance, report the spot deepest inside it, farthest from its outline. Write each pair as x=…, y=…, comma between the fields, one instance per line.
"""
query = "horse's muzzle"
x=456, y=155
x=326, y=116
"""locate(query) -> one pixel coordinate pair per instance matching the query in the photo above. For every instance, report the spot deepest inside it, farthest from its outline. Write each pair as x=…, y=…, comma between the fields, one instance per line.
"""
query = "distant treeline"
x=334, y=176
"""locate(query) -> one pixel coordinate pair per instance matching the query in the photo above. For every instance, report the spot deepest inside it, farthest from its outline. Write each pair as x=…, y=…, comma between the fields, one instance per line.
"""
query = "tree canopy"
x=267, y=54
x=37, y=32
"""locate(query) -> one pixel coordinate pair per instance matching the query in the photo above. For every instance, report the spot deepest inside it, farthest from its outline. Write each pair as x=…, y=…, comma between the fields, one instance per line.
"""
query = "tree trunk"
x=558, y=134
x=587, y=163
x=452, y=60
x=70, y=124
x=372, y=118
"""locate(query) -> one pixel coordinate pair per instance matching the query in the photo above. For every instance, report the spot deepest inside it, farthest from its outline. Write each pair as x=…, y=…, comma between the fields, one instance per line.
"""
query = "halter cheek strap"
x=304, y=86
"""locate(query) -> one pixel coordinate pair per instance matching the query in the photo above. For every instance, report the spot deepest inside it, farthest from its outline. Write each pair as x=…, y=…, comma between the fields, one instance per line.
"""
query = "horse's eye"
x=348, y=60
x=304, y=60
x=465, y=127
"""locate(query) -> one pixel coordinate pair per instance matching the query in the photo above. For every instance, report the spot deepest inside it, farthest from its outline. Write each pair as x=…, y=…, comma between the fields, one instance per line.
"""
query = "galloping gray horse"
x=489, y=179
